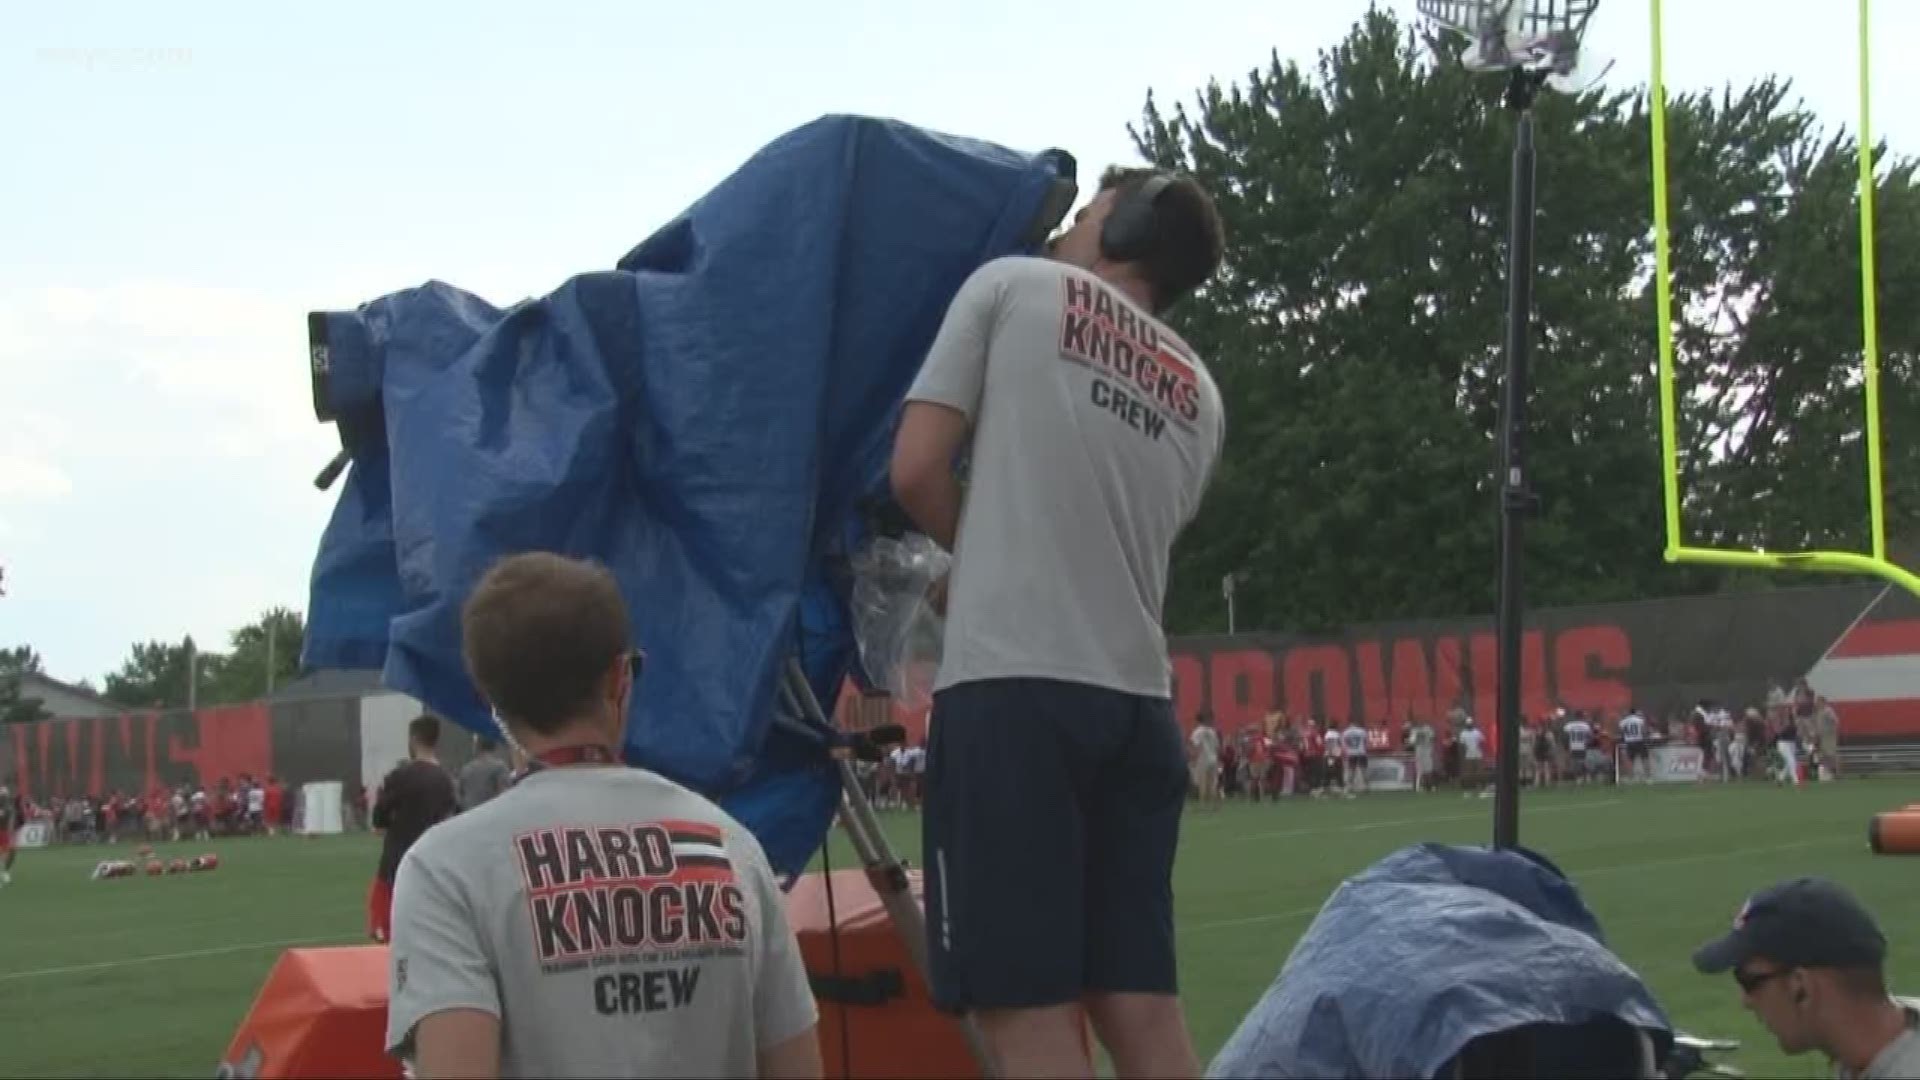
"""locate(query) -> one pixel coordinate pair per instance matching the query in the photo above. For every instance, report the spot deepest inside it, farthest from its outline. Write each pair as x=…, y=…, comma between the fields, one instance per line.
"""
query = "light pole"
x=1228, y=586
x=1531, y=41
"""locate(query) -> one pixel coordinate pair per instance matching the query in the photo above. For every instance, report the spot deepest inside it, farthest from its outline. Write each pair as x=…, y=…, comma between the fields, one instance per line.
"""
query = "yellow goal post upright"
x=1875, y=561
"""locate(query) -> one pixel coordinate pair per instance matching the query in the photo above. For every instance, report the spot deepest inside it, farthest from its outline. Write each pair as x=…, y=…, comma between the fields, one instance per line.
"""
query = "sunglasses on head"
x=1752, y=981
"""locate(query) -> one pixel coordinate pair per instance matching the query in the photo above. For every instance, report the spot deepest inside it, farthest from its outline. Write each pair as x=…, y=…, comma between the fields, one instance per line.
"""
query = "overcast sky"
x=184, y=181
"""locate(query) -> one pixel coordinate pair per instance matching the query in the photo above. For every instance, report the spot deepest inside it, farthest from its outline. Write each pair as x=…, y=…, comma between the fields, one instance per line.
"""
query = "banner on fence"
x=1390, y=772
x=33, y=834
x=1665, y=764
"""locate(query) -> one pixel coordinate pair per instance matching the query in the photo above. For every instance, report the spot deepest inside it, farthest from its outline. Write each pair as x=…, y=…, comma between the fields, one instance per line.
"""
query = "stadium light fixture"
x=1535, y=43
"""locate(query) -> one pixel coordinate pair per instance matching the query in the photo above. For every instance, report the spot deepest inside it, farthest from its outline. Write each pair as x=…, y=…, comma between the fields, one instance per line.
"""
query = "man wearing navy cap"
x=1810, y=962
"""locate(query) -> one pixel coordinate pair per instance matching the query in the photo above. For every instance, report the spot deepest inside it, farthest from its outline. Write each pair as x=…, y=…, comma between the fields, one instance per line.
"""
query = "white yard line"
x=1577, y=876
x=110, y=965
x=1252, y=920
x=1485, y=814
x=1715, y=856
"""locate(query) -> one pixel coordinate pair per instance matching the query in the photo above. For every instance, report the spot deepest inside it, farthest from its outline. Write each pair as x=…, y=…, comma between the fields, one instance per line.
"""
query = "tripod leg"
x=885, y=871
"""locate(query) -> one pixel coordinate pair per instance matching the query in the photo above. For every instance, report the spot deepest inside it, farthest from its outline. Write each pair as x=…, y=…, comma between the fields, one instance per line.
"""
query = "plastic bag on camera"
x=897, y=629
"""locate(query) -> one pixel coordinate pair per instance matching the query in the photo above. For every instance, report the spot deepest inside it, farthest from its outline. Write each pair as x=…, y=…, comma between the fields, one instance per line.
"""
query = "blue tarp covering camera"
x=705, y=419
x=1433, y=948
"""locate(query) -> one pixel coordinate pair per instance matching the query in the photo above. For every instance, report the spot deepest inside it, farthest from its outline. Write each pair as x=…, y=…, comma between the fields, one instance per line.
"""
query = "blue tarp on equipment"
x=703, y=419
x=1425, y=951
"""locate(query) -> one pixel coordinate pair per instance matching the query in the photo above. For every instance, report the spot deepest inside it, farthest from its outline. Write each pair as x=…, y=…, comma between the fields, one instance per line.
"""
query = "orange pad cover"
x=1896, y=832
x=322, y=1013
x=901, y=1034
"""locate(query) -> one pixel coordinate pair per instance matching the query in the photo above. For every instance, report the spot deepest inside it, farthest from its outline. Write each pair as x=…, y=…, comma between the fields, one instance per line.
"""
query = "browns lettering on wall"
x=1404, y=679
x=135, y=752
x=1659, y=655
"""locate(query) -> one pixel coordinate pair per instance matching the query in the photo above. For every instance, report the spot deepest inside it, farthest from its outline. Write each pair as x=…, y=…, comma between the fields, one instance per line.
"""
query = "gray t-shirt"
x=1095, y=430
x=481, y=779
x=1900, y=1060
x=617, y=923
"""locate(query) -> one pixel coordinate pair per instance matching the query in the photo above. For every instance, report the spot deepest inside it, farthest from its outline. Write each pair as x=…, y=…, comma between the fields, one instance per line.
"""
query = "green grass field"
x=150, y=976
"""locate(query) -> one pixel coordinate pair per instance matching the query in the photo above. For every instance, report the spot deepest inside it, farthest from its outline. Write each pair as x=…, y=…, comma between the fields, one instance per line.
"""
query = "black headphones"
x=1127, y=233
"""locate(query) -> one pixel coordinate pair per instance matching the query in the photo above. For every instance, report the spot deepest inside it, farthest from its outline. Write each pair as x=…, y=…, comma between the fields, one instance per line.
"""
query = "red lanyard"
x=587, y=754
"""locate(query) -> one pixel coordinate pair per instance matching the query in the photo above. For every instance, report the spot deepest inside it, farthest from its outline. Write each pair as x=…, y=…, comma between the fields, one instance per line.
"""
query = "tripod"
x=884, y=869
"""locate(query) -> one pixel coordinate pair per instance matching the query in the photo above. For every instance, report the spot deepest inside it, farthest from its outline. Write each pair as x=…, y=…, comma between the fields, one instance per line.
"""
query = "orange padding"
x=901, y=1036
x=322, y=1013
x=1896, y=832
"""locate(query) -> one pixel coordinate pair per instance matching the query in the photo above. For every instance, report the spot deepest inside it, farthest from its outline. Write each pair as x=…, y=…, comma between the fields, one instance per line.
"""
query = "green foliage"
x=15, y=664
x=154, y=675
x=1356, y=328
x=243, y=672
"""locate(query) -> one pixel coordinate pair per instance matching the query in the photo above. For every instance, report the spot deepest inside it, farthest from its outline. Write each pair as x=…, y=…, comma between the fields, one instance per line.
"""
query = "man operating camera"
x=1055, y=770
x=593, y=920
x=1810, y=963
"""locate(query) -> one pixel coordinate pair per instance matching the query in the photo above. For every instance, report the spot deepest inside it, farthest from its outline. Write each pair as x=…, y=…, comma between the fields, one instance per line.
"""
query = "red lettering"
x=1401, y=692
x=1240, y=688
x=1374, y=703
x=232, y=739
x=1534, y=701
x=1189, y=688
x=97, y=761
x=152, y=774
x=1410, y=688
x=21, y=763
x=1449, y=683
x=73, y=758
x=1486, y=683
x=1577, y=655
x=1103, y=306
x=1326, y=664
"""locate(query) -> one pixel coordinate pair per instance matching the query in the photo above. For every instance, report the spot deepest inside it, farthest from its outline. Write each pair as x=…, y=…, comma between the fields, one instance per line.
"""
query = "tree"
x=154, y=675
x=1355, y=332
x=244, y=672
x=15, y=664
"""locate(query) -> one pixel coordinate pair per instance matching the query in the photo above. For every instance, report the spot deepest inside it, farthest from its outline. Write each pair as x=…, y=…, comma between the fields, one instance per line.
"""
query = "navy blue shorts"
x=1051, y=817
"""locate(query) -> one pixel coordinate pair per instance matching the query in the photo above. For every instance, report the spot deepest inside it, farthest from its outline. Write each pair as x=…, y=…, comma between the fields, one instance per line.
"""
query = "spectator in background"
x=1203, y=760
x=1353, y=750
x=1286, y=759
x=1473, y=756
x=1826, y=734
x=485, y=776
x=417, y=795
x=12, y=817
x=1336, y=755
x=274, y=802
x=1420, y=737
x=1810, y=961
x=1259, y=761
x=1633, y=738
x=1313, y=756
x=1757, y=742
x=1540, y=739
x=1786, y=743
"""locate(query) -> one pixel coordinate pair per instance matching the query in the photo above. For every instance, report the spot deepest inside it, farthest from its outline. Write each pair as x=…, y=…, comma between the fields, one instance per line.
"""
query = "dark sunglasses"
x=636, y=662
x=1751, y=981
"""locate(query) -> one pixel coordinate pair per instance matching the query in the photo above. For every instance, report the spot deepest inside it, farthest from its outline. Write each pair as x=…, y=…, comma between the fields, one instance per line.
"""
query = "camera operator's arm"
x=942, y=406
x=785, y=1018
x=461, y=1043
x=923, y=478
x=444, y=1008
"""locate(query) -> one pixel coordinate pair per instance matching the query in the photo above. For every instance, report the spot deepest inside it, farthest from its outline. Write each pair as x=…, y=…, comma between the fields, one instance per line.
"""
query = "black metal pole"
x=1516, y=498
